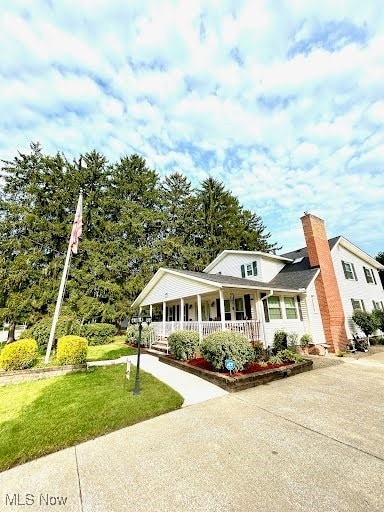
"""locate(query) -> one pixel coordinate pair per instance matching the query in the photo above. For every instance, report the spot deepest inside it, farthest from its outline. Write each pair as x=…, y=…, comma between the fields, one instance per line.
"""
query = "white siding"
x=288, y=325
x=312, y=317
x=230, y=265
x=175, y=287
x=351, y=289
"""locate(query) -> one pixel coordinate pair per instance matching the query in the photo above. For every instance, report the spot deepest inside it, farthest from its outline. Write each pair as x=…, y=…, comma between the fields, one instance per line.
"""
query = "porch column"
x=182, y=313
x=199, y=317
x=150, y=310
x=140, y=310
x=222, y=310
x=164, y=313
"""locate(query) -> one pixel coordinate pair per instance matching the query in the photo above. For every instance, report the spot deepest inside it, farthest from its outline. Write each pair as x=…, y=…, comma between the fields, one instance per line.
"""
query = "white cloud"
x=282, y=104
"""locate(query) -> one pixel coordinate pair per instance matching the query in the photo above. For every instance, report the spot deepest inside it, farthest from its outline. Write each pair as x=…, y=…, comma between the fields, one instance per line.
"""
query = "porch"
x=162, y=330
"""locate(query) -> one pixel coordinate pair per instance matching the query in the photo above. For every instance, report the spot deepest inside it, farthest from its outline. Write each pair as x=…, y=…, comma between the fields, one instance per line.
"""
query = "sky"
x=280, y=100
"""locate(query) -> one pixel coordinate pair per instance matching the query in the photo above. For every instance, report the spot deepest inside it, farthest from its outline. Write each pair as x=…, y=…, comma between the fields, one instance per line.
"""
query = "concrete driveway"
x=313, y=442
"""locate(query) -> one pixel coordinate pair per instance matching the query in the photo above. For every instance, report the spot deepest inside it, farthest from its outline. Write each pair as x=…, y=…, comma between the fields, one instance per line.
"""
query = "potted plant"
x=305, y=341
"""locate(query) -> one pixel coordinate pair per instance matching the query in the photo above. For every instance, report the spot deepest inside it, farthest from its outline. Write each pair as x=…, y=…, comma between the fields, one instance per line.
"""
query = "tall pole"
x=72, y=247
x=136, y=389
x=58, y=303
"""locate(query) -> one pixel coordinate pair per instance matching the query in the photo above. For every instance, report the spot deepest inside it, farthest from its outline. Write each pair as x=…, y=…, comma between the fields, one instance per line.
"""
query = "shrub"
x=259, y=351
x=292, y=341
x=280, y=340
x=377, y=340
x=305, y=340
x=41, y=329
x=71, y=350
x=19, y=355
x=275, y=359
x=219, y=346
x=378, y=315
x=366, y=321
x=98, y=334
x=289, y=355
x=183, y=344
x=146, y=335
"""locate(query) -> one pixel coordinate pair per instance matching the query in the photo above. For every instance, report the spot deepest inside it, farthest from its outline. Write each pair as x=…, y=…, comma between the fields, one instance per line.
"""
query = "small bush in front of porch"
x=183, y=344
x=280, y=341
x=146, y=335
x=219, y=346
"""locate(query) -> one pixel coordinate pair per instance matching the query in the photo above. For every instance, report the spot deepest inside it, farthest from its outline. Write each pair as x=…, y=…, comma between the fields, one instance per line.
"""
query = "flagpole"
x=72, y=247
x=58, y=303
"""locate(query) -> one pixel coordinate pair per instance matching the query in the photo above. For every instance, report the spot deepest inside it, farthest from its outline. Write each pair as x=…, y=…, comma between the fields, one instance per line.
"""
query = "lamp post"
x=138, y=320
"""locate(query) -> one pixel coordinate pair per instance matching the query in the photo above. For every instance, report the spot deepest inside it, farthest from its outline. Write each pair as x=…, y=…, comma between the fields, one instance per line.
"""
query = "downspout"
x=263, y=317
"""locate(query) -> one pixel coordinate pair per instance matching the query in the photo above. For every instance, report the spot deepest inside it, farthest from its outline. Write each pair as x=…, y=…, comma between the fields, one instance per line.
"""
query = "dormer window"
x=249, y=269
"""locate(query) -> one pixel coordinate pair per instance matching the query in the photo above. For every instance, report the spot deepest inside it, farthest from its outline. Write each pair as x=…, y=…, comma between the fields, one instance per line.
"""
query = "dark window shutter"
x=345, y=270
x=299, y=305
x=374, y=305
x=254, y=265
x=373, y=275
x=354, y=271
x=247, y=304
x=242, y=271
x=265, y=305
x=362, y=304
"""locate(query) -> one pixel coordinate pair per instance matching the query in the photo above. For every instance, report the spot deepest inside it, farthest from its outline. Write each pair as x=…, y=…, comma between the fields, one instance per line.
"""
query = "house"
x=313, y=290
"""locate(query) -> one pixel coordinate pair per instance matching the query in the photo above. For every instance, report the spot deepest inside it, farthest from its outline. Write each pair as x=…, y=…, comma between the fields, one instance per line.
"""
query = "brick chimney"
x=328, y=294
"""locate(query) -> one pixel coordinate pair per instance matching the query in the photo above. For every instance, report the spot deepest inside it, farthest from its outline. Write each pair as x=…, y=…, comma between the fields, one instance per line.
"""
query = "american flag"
x=77, y=225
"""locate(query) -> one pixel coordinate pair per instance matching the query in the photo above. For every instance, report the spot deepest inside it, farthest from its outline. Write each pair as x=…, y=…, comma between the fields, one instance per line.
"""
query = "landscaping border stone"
x=233, y=384
x=16, y=376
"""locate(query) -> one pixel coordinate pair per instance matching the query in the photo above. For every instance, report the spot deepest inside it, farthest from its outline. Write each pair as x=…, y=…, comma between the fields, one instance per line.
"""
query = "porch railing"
x=250, y=328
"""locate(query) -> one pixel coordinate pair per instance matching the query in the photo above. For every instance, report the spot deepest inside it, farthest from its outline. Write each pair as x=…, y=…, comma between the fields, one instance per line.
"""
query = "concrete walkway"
x=193, y=389
x=310, y=443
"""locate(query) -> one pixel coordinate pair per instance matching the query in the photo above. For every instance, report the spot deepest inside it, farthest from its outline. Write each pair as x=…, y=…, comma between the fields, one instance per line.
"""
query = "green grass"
x=112, y=350
x=41, y=417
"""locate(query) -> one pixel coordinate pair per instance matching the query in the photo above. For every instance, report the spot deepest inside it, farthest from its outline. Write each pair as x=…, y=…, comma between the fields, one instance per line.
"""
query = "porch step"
x=160, y=347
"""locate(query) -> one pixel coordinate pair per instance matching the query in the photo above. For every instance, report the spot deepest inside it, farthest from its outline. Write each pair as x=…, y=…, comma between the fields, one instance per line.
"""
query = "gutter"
x=263, y=318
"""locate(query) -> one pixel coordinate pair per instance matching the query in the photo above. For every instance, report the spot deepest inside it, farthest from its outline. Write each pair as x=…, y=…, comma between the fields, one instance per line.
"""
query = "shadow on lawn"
x=77, y=407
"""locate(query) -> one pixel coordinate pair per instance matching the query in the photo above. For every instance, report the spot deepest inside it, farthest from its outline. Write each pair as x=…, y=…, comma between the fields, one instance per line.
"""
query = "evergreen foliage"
x=183, y=344
x=134, y=222
x=217, y=347
x=19, y=355
x=98, y=334
x=71, y=350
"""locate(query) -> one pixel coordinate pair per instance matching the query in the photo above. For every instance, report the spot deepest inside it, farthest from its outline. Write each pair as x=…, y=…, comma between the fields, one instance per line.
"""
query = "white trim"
x=358, y=252
x=223, y=254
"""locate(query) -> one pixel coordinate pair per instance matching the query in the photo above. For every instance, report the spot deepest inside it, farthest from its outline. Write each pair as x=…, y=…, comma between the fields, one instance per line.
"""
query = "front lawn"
x=112, y=350
x=41, y=417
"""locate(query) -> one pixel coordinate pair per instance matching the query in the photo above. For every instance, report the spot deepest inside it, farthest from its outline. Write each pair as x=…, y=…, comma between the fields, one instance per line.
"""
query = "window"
x=290, y=308
x=378, y=305
x=274, y=308
x=227, y=309
x=349, y=270
x=250, y=269
x=239, y=308
x=369, y=275
x=358, y=304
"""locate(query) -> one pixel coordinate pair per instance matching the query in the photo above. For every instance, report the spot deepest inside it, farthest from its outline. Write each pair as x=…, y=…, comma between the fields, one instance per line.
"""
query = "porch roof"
x=289, y=281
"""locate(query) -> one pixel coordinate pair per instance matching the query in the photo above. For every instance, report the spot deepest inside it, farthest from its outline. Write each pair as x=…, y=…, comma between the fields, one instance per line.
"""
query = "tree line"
x=134, y=222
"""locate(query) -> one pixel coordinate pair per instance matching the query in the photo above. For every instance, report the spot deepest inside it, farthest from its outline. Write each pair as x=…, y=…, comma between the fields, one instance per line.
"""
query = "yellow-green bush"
x=19, y=355
x=71, y=350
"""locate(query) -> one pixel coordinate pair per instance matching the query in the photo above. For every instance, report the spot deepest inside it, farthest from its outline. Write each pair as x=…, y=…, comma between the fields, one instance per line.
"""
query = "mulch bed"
x=253, y=368
x=254, y=375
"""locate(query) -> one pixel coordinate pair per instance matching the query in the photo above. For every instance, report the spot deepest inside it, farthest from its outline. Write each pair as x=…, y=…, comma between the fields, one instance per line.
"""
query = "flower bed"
x=253, y=368
x=254, y=375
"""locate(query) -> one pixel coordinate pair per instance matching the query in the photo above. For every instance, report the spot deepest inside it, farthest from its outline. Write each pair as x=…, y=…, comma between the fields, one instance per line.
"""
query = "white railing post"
x=181, y=313
x=222, y=310
x=199, y=317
